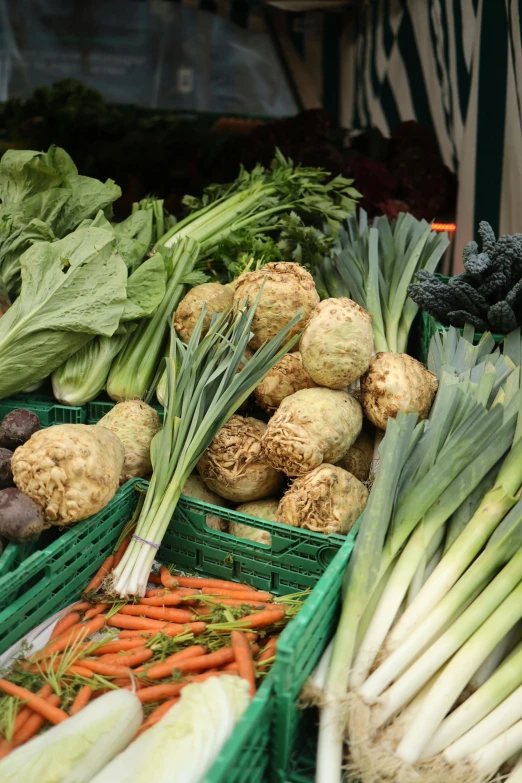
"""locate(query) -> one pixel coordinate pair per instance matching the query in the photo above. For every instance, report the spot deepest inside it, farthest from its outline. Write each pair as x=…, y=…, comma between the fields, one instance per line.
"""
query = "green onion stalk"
x=426, y=473
x=374, y=265
x=204, y=388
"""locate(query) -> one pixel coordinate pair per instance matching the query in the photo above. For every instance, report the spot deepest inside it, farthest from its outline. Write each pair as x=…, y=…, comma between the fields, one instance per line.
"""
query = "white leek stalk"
x=185, y=743
x=75, y=750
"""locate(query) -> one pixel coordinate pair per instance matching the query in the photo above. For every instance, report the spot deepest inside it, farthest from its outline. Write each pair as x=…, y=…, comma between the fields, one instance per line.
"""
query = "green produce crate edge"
x=298, y=653
x=48, y=410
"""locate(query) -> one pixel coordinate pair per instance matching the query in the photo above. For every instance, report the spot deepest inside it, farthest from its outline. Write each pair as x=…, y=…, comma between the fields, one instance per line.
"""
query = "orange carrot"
x=172, y=629
x=166, y=578
x=81, y=606
x=108, y=669
x=98, y=609
x=158, y=714
x=247, y=593
x=37, y=704
x=34, y=723
x=202, y=662
x=155, y=579
x=170, y=690
x=55, y=664
x=75, y=634
x=157, y=591
x=266, y=617
x=121, y=550
x=81, y=700
x=268, y=651
x=130, y=658
x=117, y=646
x=100, y=574
x=26, y=712
x=166, y=667
x=66, y=622
x=158, y=613
x=6, y=746
x=240, y=602
x=129, y=622
x=231, y=667
x=167, y=599
x=243, y=656
x=200, y=582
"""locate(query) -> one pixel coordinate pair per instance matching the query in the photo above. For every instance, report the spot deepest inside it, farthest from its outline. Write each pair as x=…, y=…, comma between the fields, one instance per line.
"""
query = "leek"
x=442, y=463
x=374, y=266
x=81, y=746
x=204, y=389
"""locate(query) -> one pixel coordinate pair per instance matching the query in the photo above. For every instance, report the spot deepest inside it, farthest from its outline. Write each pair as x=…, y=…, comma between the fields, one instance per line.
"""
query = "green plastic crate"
x=97, y=409
x=48, y=410
x=14, y=554
x=295, y=560
x=57, y=576
x=44, y=582
x=298, y=653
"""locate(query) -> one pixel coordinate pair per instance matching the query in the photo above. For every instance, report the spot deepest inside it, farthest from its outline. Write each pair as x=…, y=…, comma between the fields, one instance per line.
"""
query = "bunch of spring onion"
x=373, y=265
x=426, y=652
x=204, y=388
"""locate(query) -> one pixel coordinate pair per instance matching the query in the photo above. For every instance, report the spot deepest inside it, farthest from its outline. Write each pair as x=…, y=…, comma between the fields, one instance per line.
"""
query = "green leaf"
x=72, y=289
x=146, y=288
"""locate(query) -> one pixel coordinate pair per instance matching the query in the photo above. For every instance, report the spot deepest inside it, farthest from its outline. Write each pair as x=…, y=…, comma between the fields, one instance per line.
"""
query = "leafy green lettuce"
x=43, y=197
x=72, y=289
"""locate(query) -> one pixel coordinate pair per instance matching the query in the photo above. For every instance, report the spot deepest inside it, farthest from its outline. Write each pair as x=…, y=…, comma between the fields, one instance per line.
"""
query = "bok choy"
x=81, y=746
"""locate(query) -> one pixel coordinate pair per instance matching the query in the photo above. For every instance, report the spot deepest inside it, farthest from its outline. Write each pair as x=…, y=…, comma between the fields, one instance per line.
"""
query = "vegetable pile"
x=424, y=667
x=187, y=657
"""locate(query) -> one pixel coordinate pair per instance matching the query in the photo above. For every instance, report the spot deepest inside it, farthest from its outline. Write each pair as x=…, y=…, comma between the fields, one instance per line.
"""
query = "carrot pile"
x=185, y=630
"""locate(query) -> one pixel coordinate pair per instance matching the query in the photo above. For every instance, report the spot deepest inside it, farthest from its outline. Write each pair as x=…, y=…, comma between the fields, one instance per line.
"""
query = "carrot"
x=172, y=629
x=202, y=662
x=243, y=656
x=6, y=746
x=130, y=658
x=95, y=611
x=231, y=667
x=158, y=613
x=247, y=593
x=157, y=591
x=108, y=669
x=121, y=550
x=26, y=712
x=155, y=579
x=268, y=652
x=65, y=623
x=166, y=667
x=34, y=723
x=240, y=602
x=158, y=714
x=266, y=617
x=81, y=700
x=100, y=574
x=55, y=664
x=160, y=692
x=37, y=704
x=118, y=645
x=170, y=690
x=200, y=582
x=128, y=622
x=166, y=578
x=81, y=606
x=75, y=634
x=250, y=635
x=167, y=599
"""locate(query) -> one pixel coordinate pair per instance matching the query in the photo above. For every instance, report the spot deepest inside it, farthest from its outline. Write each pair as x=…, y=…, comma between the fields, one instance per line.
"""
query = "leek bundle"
x=203, y=390
x=374, y=266
x=424, y=616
